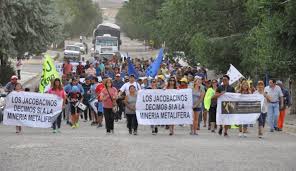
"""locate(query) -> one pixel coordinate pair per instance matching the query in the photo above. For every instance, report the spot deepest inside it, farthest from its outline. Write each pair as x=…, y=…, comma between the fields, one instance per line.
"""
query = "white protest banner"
x=31, y=109
x=164, y=107
x=233, y=74
x=236, y=108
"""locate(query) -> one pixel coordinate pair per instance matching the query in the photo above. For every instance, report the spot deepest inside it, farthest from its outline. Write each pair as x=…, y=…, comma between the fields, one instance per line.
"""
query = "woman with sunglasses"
x=172, y=84
x=57, y=89
x=197, y=99
x=211, y=104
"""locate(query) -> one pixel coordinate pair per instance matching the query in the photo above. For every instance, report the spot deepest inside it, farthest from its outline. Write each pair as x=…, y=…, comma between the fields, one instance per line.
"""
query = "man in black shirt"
x=219, y=92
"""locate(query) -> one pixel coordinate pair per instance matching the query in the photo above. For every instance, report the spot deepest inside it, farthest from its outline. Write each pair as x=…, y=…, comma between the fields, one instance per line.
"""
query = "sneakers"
x=130, y=132
x=54, y=131
x=77, y=125
x=99, y=126
x=135, y=133
x=260, y=135
x=73, y=126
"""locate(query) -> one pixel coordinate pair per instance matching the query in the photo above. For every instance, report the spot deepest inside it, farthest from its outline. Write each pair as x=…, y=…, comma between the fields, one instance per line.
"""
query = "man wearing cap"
x=275, y=100
x=118, y=83
x=219, y=92
x=11, y=85
x=125, y=87
x=286, y=105
x=183, y=83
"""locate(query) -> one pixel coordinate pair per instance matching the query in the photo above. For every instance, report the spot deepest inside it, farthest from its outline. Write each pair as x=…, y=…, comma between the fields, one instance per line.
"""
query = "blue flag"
x=131, y=69
x=152, y=70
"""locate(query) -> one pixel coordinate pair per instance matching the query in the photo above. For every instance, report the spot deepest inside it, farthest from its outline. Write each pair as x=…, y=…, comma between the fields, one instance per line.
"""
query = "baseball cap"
x=13, y=77
x=117, y=75
x=183, y=80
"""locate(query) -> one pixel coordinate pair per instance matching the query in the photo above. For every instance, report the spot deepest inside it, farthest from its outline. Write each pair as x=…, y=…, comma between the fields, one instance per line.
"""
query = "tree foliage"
x=257, y=36
x=79, y=17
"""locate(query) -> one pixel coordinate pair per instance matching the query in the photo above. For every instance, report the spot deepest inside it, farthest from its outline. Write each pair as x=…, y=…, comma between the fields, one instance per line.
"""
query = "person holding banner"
x=172, y=84
x=197, y=99
x=57, y=89
x=18, y=88
x=244, y=89
x=210, y=104
x=108, y=97
x=220, y=91
x=75, y=97
x=262, y=117
x=153, y=85
x=130, y=110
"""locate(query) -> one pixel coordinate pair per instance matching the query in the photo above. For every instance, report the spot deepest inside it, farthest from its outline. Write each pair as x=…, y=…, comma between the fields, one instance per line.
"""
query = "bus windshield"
x=102, y=42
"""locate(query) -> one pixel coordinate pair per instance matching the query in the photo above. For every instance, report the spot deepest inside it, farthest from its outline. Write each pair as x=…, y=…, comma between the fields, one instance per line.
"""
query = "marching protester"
x=75, y=96
x=197, y=99
x=118, y=83
x=86, y=97
x=108, y=97
x=210, y=104
x=67, y=67
x=219, y=92
x=275, y=100
x=18, y=88
x=286, y=105
x=244, y=89
x=172, y=84
x=132, y=81
x=130, y=110
x=262, y=117
x=91, y=71
x=153, y=85
x=93, y=96
x=80, y=69
x=57, y=89
x=98, y=91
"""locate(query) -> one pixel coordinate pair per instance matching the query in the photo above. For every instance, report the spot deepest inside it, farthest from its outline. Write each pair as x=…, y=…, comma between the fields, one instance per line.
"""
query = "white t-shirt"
x=125, y=87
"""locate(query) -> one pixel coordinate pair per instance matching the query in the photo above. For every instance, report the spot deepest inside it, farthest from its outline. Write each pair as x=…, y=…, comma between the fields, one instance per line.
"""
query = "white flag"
x=234, y=74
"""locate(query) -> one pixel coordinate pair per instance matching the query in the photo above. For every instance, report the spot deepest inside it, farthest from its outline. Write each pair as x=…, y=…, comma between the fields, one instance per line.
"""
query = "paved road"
x=89, y=148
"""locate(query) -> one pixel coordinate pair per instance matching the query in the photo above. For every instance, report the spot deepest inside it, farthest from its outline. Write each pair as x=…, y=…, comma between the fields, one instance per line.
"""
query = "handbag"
x=115, y=107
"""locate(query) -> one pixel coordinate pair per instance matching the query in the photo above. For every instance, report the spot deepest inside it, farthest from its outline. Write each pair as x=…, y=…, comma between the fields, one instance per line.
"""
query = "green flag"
x=49, y=73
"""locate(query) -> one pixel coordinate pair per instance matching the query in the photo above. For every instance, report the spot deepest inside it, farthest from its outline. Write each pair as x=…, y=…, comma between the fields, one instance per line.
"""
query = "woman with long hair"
x=57, y=89
x=130, y=110
x=18, y=88
x=244, y=89
x=262, y=117
x=172, y=84
x=108, y=97
x=197, y=99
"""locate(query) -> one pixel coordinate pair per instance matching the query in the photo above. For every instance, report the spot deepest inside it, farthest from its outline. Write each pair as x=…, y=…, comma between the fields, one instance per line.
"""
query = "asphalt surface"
x=89, y=148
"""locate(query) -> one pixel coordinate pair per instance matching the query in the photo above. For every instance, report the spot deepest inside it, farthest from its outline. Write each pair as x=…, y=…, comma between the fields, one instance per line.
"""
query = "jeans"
x=261, y=119
x=109, y=119
x=132, y=122
x=273, y=113
x=57, y=122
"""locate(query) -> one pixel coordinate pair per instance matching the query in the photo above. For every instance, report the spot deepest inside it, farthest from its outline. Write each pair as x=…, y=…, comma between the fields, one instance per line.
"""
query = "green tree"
x=26, y=26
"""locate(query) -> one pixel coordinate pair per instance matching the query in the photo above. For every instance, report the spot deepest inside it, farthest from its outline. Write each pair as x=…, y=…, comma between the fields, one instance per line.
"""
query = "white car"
x=82, y=47
x=72, y=53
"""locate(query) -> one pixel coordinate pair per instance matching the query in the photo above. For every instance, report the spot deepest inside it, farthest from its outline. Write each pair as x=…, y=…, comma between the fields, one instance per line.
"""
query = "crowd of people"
x=115, y=90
